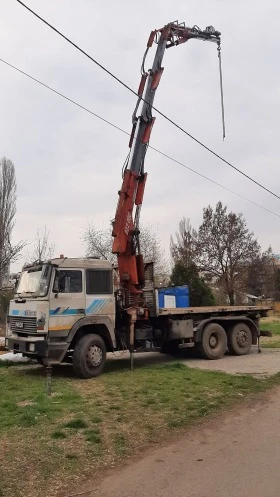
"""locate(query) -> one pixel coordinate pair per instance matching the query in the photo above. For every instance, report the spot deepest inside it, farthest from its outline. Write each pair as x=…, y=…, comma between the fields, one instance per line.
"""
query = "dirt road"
x=234, y=455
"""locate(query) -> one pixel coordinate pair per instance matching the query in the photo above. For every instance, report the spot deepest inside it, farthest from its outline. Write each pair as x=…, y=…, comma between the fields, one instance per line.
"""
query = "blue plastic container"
x=180, y=296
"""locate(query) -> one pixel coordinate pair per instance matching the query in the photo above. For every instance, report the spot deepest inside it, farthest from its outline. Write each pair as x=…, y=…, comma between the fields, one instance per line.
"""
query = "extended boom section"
x=126, y=231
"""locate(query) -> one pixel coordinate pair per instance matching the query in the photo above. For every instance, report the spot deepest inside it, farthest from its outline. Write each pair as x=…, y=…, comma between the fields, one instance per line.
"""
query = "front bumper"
x=27, y=346
x=51, y=352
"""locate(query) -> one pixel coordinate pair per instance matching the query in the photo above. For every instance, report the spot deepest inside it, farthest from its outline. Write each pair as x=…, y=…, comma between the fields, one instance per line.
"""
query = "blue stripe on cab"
x=96, y=306
x=66, y=312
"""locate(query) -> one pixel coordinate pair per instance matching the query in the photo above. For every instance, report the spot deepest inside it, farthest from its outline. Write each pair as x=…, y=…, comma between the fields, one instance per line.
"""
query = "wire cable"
x=154, y=108
x=128, y=134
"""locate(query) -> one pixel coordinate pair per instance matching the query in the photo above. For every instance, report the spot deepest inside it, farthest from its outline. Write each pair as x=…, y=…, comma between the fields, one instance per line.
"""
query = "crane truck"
x=78, y=310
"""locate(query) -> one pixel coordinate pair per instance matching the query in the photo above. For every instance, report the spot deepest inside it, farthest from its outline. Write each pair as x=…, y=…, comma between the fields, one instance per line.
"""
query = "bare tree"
x=225, y=247
x=8, y=252
x=260, y=277
x=42, y=248
x=98, y=243
x=183, y=248
x=152, y=251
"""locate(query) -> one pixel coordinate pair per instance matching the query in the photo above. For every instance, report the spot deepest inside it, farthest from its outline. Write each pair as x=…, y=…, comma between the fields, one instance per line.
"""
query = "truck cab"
x=56, y=304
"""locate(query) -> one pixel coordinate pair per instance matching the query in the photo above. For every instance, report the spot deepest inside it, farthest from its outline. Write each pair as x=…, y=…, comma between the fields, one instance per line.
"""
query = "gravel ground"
x=9, y=356
x=260, y=365
x=265, y=364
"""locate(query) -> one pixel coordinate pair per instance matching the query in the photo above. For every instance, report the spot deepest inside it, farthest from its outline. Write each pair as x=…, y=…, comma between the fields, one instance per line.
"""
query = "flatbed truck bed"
x=221, y=310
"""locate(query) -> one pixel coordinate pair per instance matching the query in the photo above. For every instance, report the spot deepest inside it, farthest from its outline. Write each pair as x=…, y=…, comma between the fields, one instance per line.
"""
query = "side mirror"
x=55, y=287
x=57, y=283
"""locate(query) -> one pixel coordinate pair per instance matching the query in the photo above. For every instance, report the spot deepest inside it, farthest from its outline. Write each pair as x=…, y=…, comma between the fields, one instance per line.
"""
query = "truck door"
x=100, y=298
x=67, y=300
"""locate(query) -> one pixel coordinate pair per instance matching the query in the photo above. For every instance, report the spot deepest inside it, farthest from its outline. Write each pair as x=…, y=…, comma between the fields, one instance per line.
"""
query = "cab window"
x=68, y=281
x=99, y=281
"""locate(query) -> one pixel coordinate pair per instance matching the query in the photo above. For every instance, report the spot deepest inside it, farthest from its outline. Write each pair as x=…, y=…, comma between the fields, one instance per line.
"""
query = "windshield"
x=35, y=281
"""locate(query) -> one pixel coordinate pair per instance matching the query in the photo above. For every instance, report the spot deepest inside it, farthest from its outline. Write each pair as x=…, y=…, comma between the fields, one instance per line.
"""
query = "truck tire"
x=213, y=341
x=89, y=356
x=239, y=339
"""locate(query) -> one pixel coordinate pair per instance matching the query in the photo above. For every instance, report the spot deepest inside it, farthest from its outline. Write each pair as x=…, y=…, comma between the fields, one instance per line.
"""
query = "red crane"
x=126, y=232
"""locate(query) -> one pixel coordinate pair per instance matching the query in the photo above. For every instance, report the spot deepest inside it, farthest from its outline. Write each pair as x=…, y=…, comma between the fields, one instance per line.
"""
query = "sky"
x=68, y=163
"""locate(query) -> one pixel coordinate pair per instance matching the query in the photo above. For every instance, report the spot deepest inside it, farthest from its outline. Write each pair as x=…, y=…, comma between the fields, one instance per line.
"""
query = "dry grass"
x=47, y=443
x=270, y=319
x=271, y=324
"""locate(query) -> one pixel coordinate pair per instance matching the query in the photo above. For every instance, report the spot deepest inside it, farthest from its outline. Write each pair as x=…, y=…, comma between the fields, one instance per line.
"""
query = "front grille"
x=29, y=324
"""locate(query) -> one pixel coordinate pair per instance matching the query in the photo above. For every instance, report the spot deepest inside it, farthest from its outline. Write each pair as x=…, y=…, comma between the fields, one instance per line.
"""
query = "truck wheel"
x=239, y=339
x=89, y=356
x=213, y=342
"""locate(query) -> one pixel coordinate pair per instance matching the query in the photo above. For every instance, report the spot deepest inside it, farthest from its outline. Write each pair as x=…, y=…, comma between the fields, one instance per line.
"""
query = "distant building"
x=251, y=299
x=276, y=259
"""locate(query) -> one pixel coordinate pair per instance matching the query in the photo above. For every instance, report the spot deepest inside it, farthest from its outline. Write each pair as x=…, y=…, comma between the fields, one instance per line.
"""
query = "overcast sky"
x=68, y=163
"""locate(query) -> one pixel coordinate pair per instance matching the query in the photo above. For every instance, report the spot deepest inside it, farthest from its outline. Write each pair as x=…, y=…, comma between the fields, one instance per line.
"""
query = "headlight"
x=32, y=347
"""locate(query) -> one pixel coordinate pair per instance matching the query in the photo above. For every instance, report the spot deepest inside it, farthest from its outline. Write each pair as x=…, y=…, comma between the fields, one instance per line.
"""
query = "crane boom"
x=126, y=243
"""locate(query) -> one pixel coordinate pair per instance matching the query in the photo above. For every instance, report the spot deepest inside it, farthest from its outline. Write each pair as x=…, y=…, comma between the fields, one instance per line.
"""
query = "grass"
x=7, y=364
x=76, y=424
x=272, y=325
x=58, y=434
x=93, y=436
x=88, y=425
x=270, y=343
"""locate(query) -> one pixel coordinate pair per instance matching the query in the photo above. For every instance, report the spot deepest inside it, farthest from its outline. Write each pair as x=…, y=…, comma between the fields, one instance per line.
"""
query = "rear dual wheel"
x=239, y=339
x=213, y=341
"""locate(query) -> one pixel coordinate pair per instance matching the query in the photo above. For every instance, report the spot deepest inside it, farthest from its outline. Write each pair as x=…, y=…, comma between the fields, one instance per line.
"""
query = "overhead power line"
x=128, y=134
x=154, y=108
